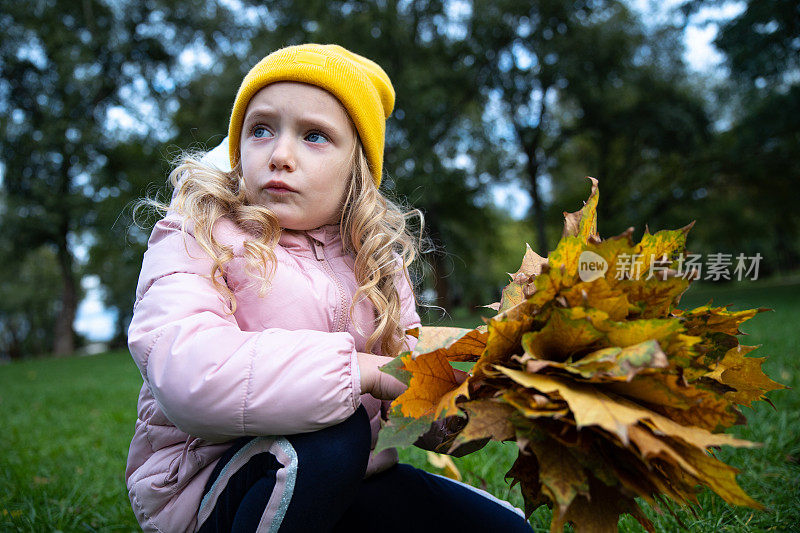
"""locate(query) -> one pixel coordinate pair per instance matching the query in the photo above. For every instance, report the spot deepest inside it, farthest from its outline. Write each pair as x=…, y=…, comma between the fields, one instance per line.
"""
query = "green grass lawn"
x=65, y=426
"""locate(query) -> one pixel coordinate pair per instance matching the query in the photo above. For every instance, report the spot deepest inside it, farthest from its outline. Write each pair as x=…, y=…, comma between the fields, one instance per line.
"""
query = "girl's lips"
x=278, y=187
x=278, y=190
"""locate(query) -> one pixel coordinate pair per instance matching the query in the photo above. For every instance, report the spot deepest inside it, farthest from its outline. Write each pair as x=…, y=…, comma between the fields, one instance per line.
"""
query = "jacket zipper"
x=339, y=314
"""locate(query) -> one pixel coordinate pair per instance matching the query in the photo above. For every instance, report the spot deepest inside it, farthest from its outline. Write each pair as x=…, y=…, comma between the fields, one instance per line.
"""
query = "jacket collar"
x=328, y=236
x=227, y=232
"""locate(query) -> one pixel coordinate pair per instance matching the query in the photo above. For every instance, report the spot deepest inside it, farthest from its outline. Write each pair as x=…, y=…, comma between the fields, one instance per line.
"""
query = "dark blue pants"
x=314, y=482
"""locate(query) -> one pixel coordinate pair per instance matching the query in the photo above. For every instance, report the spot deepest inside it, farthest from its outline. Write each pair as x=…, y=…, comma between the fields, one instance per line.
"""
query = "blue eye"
x=260, y=131
x=316, y=135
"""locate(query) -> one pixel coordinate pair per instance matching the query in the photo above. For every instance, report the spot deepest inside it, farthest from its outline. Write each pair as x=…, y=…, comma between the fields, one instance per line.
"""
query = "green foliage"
x=762, y=41
x=120, y=238
x=638, y=126
x=69, y=68
x=758, y=156
x=523, y=93
x=749, y=171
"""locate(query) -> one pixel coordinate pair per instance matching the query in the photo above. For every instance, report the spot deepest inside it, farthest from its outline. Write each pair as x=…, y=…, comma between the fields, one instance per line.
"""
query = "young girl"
x=270, y=294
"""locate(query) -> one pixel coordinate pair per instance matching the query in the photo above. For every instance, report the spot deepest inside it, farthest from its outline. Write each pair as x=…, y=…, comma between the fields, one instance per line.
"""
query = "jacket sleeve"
x=215, y=381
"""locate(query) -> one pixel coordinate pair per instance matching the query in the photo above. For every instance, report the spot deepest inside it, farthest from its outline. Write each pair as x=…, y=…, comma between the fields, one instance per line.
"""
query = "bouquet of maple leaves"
x=610, y=391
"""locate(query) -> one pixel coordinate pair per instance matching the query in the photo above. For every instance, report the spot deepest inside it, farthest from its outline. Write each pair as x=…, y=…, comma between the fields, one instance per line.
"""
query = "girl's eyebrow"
x=305, y=120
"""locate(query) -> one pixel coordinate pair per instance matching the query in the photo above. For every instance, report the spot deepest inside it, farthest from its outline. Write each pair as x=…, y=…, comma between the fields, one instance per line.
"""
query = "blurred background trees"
x=97, y=97
x=70, y=70
x=754, y=162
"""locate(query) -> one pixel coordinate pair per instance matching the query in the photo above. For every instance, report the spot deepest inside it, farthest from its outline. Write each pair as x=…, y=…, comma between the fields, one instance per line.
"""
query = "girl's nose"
x=282, y=157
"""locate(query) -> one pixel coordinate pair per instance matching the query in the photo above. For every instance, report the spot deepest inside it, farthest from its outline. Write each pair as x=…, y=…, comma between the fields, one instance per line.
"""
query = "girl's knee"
x=340, y=451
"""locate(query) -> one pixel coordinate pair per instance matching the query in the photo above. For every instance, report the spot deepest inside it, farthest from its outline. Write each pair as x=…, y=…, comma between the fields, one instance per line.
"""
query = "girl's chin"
x=294, y=224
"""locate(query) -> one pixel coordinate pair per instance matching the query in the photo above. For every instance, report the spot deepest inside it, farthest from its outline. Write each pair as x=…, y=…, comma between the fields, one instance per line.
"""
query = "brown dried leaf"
x=532, y=265
x=589, y=406
x=687, y=405
x=487, y=418
x=525, y=471
x=536, y=405
x=619, y=364
x=561, y=476
x=600, y=511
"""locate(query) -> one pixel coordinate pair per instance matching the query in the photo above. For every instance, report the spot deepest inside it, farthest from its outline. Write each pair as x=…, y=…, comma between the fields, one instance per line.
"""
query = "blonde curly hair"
x=377, y=231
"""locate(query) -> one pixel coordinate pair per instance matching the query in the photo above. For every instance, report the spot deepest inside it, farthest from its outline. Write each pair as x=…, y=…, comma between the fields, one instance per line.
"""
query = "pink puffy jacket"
x=281, y=364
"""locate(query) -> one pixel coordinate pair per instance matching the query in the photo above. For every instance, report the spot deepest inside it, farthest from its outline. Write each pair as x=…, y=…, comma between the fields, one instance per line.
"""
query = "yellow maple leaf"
x=561, y=337
x=663, y=246
x=633, y=332
x=650, y=446
x=716, y=475
x=717, y=319
x=563, y=263
x=503, y=339
x=598, y=294
x=743, y=374
x=613, y=250
x=654, y=298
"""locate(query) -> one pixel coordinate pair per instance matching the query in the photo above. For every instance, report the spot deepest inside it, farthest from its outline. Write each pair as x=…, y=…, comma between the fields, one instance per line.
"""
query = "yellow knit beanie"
x=360, y=85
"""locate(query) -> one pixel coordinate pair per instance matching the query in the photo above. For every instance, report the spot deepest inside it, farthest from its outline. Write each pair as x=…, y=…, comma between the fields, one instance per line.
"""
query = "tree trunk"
x=538, y=207
x=15, y=346
x=531, y=139
x=64, y=335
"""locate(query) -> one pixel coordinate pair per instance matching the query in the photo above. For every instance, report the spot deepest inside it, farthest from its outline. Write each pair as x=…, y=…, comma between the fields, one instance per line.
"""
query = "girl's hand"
x=380, y=384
